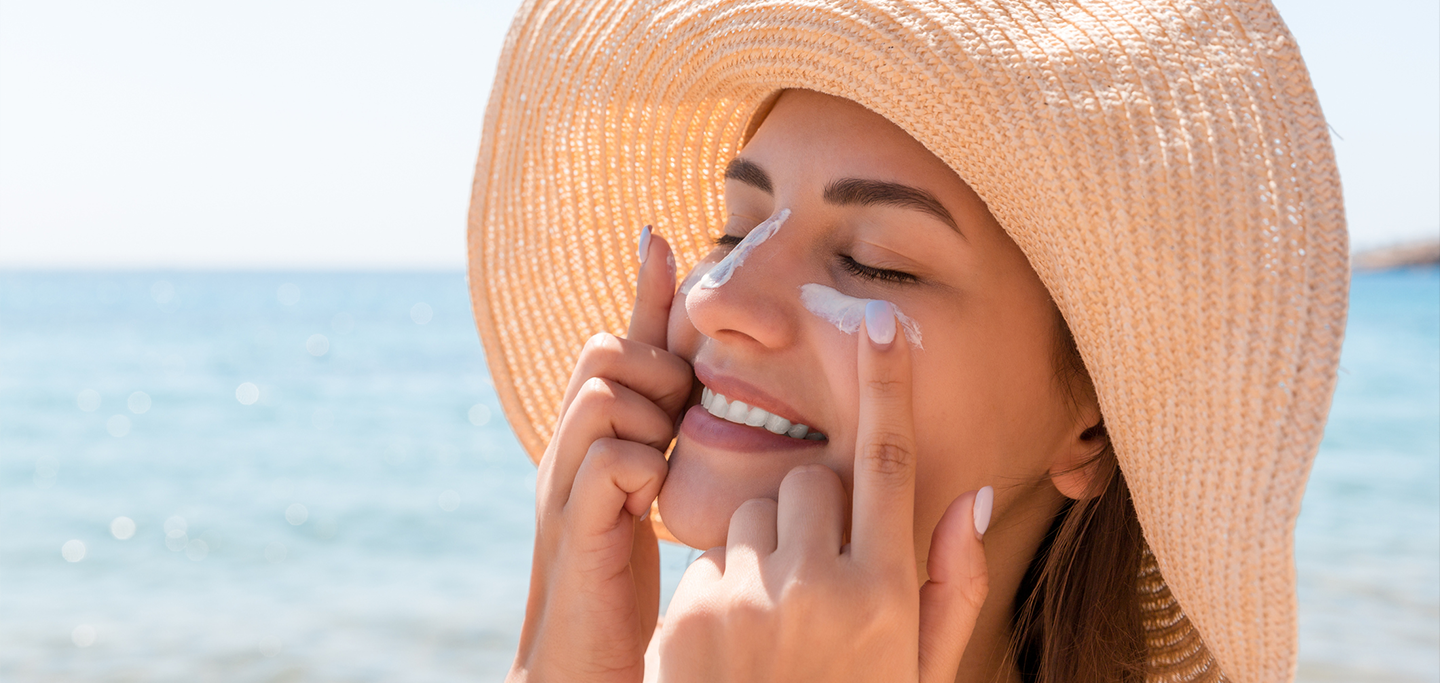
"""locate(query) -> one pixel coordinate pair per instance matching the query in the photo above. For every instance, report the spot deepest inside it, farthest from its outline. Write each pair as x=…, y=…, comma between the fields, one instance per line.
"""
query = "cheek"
x=986, y=413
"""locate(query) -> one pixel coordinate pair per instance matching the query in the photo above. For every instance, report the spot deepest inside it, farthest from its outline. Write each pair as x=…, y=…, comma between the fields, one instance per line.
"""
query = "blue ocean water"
x=322, y=487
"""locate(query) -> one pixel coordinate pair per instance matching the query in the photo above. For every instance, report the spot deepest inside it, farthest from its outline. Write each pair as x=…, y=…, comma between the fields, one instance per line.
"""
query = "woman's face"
x=874, y=215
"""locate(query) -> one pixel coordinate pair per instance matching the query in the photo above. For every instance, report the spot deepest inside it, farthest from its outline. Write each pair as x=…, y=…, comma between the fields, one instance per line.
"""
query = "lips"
x=739, y=412
x=706, y=430
x=736, y=415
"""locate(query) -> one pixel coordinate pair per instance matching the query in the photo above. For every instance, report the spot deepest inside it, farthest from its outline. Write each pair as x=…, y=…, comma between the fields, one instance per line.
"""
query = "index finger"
x=882, y=530
x=650, y=317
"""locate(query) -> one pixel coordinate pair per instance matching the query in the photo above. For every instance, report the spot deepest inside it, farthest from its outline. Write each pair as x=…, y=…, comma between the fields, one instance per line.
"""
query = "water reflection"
x=88, y=400
x=288, y=294
x=318, y=345
x=247, y=393
x=118, y=425
x=122, y=528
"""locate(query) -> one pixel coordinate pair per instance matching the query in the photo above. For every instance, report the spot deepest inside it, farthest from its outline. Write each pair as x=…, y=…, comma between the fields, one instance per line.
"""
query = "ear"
x=1076, y=467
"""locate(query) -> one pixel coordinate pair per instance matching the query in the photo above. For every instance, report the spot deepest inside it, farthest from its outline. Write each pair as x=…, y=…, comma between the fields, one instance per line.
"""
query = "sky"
x=328, y=134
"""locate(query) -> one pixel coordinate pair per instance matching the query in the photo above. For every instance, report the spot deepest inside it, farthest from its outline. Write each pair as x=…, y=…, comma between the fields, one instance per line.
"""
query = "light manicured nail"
x=644, y=250
x=880, y=321
x=984, y=503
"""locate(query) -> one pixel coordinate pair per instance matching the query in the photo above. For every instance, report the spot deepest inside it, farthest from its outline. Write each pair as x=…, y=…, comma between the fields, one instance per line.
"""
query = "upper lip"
x=739, y=390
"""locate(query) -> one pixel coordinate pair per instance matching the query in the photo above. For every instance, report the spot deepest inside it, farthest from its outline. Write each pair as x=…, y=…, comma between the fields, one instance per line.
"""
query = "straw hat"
x=1163, y=164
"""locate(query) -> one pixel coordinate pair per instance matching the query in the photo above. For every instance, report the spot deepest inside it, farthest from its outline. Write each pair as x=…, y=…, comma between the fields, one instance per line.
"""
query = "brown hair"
x=1077, y=611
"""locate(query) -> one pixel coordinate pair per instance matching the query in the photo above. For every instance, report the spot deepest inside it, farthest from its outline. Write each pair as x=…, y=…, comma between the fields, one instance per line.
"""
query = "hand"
x=784, y=600
x=595, y=577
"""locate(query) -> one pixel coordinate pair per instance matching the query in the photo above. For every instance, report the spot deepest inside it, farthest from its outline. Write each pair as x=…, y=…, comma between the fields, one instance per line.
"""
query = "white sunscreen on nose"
x=722, y=271
x=694, y=277
x=847, y=312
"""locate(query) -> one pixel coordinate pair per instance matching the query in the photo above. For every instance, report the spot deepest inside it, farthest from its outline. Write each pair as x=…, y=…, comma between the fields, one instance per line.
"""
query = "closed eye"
x=727, y=240
x=870, y=273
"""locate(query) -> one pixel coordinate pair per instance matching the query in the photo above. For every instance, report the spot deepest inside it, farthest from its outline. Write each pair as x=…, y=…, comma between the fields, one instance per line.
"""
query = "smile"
x=739, y=412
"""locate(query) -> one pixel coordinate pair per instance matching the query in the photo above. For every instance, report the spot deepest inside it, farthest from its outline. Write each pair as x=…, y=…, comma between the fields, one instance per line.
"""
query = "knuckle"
x=886, y=386
x=602, y=341
x=755, y=510
x=806, y=590
x=976, y=591
x=599, y=355
x=890, y=454
x=807, y=477
x=749, y=613
x=602, y=453
x=887, y=610
x=595, y=393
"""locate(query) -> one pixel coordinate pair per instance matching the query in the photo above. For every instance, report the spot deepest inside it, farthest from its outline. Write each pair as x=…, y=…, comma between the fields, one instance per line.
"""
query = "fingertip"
x=948, y=540
x=880, y=322
x=654, y=290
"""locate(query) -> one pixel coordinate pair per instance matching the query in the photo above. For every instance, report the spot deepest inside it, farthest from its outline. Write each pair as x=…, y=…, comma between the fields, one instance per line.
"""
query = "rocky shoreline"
x=1408, y=255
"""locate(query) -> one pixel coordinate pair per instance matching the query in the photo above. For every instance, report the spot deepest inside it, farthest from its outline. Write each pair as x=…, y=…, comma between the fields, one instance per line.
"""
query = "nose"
x=756, y=305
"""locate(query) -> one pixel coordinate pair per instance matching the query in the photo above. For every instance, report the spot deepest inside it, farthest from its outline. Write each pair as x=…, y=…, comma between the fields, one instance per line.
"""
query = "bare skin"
x=868, y=532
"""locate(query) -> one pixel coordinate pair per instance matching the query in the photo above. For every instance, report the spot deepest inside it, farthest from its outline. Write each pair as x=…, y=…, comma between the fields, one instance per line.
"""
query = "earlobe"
x=1075, y=471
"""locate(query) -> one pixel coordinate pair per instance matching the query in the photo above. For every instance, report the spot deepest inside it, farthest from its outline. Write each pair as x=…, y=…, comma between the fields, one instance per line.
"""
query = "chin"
x=700, y=495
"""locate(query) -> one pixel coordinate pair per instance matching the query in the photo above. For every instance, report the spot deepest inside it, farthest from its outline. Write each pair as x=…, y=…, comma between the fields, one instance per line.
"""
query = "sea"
x=306, y=476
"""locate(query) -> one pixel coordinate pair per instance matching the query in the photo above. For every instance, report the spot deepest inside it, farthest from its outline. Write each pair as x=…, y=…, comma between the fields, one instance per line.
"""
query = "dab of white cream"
x=722, y=271
x=694, y=277
x=847, y=312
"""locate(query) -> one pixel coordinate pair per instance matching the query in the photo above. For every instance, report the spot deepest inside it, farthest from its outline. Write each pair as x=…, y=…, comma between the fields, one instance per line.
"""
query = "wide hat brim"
x=1165, y=167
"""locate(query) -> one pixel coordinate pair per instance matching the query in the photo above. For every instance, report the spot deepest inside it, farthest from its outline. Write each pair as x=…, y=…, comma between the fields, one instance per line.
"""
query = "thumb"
x=650, y=317
x=950, y=601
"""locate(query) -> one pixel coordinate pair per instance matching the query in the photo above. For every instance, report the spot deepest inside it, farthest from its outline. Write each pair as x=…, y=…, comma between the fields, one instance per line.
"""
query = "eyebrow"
x=851, y=191
x=750, y=173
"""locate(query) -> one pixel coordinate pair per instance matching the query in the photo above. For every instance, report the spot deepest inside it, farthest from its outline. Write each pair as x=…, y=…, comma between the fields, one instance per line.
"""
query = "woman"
x=1006, y=360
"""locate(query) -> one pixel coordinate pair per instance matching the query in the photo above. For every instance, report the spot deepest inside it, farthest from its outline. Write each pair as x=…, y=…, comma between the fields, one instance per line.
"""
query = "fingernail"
x=644, y=249
x=984, y=501
x=880, y=321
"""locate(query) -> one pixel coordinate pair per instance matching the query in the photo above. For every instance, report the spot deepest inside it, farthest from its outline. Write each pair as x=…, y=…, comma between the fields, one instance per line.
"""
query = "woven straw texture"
x=1164, y=165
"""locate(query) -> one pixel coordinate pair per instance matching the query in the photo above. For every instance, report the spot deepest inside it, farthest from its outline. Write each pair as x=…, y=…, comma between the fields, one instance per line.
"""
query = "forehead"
x=808, y=133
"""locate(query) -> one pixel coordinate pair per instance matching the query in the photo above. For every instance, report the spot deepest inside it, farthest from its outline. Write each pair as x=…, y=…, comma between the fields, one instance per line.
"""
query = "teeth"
x=738, y=412
x=717, y=405
x=777, y=424
x=741, y=413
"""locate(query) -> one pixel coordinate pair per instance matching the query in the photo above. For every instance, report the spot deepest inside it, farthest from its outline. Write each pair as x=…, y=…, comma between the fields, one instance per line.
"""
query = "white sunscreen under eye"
x=722, y=271
x=847, y=312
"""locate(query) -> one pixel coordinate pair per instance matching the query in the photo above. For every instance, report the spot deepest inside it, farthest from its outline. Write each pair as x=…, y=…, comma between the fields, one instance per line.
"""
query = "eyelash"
x=852, y=266
x=861, y=270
